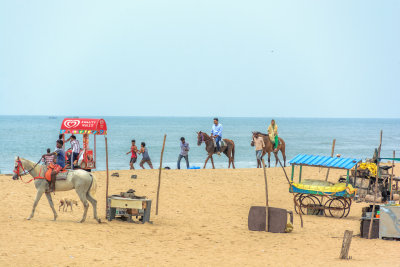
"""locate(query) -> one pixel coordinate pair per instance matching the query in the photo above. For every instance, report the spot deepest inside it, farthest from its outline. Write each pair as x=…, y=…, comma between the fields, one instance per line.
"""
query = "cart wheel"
x=347, y=202
x=305, y=202
x=297, y=198
x=316, y=199
x=317, y=204
x=336, y=208
x=326, y=207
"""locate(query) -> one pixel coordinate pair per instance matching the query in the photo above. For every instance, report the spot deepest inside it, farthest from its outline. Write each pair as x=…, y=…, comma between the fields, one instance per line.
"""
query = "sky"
x=200, y=58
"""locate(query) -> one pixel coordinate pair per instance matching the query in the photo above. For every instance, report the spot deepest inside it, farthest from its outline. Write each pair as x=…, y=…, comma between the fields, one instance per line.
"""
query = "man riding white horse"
x=83, y=182
x=216, y=134
x=60, y=163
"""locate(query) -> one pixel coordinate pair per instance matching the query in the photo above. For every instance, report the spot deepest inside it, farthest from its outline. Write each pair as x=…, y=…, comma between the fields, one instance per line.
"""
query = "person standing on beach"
x=273, y=134
x=184, y=153
x=259, y=145
x=216, y=134
x=134, y=151
x=145, y=156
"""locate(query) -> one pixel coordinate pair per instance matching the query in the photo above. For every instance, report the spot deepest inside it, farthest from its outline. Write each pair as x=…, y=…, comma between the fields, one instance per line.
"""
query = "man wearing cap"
x=216, y=134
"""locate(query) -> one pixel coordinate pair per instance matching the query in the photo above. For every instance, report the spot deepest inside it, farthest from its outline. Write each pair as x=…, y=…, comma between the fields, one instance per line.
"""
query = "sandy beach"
x=202, y=221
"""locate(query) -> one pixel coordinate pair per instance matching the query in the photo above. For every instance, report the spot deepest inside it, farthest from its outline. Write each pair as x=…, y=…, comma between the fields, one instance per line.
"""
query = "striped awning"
x=325, y=162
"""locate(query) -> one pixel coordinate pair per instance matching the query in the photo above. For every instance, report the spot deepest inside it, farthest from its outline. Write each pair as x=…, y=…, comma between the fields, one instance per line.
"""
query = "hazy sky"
x=200, y=58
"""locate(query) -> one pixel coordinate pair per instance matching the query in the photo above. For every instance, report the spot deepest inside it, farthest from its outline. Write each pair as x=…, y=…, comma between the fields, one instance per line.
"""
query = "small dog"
x=67, y=202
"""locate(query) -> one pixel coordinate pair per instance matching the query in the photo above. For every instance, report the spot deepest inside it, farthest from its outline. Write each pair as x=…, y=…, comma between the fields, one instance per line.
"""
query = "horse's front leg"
x=212, y=162
x=269, y=160
x=205, y=163
x=38, y=196
x=48, y=195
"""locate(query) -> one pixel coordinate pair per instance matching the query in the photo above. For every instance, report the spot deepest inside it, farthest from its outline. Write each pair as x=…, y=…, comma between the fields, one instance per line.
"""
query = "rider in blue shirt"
x=60, y=160
x=216, y=133
x=59, y=153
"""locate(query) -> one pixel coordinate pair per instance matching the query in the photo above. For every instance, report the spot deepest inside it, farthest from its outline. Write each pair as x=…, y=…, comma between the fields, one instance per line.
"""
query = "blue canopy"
x=323, y=161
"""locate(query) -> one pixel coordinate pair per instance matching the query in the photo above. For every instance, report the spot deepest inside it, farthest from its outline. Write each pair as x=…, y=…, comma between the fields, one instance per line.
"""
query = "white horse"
x=83, y=182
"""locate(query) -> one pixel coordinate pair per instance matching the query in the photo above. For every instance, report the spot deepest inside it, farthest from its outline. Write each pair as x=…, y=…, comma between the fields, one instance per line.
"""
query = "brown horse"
x=228, y=149
x=269, y=147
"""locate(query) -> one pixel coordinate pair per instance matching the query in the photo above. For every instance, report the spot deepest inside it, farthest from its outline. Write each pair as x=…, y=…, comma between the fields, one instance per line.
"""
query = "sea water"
x=30, y=136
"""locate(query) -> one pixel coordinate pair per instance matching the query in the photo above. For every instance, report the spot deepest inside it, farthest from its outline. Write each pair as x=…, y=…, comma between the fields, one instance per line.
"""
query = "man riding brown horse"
x=228, y=148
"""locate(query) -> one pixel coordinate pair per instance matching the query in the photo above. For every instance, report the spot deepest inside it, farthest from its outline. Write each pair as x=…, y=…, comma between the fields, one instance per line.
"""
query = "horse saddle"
x=62, y=175
x=222, y=145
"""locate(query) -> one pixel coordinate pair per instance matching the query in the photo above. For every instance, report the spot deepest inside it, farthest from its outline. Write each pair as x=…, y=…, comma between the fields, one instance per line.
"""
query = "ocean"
x=30, y=136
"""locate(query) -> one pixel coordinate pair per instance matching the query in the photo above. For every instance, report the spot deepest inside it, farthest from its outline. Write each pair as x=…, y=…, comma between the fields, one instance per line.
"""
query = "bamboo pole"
x=391, y=177
x=294, y=199
x=159, y=174
x=376, y=187
x=333, y=150
x=107, y=174
x=266, y=197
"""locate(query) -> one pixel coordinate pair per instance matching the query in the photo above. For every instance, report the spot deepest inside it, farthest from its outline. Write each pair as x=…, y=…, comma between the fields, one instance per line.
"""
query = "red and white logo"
x=71, y=123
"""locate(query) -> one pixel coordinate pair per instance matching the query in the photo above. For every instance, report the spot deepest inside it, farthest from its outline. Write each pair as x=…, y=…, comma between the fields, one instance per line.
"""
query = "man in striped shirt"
x=48, y=159
x=75, y=148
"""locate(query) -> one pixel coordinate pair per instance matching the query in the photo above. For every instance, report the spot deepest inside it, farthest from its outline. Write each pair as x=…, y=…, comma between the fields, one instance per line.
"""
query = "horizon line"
x=182, y=116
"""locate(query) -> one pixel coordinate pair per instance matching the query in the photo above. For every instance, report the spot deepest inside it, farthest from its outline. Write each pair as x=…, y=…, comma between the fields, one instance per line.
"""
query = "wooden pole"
x=107, y=174
x=266, y=197
x=159, y=174
x=294, y=199
x=376, y=187
x=391, y=177
x=344, y=252
x=95, y=160
x=333, y=150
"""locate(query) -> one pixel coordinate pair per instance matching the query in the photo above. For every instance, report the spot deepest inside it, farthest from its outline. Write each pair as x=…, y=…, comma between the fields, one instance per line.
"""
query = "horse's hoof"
x=29, y=218
x=98, y=220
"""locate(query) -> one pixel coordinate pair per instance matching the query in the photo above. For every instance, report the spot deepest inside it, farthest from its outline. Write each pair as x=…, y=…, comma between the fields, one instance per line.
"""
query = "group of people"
x=134, y=155
x=56, y=160
x=216, y=135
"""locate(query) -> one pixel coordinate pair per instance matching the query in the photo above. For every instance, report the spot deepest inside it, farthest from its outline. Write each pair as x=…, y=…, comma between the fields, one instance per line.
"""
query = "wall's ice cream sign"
x=83, y=126
x=71, y=123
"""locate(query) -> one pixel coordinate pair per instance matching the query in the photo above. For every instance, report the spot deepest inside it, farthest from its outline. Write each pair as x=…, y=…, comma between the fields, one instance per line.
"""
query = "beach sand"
x=202, y=221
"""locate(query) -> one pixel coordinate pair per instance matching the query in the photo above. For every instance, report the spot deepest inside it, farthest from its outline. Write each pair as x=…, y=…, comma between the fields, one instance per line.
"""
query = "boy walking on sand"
x=145, y=156
x=259, y=145
x=134, y=151
x=184, y=153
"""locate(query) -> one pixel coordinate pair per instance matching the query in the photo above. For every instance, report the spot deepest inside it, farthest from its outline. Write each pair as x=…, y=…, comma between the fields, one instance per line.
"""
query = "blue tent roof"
x=323, y=161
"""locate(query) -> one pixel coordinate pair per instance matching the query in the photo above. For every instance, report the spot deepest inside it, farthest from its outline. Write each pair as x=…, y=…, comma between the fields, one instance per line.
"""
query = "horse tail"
x=233, y=150
x=93, y=185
